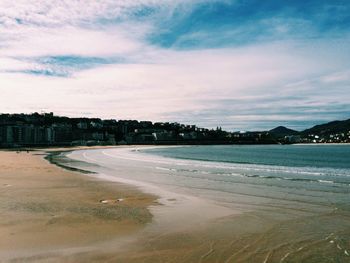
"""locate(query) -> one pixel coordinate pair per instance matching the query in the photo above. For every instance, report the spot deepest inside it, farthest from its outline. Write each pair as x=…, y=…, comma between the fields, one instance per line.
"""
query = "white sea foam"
x=326, y=181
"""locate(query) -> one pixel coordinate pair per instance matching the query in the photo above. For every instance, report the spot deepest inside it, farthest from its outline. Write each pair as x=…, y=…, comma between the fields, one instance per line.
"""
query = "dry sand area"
x=45, y=209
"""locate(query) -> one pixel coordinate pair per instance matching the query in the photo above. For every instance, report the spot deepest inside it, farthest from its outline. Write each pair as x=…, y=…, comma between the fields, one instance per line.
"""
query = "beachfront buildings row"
x=49, y=130
x=26, y=130
x=18, y=130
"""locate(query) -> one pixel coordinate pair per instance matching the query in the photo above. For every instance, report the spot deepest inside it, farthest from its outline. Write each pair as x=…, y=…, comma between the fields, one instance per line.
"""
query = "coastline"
x=48, y=212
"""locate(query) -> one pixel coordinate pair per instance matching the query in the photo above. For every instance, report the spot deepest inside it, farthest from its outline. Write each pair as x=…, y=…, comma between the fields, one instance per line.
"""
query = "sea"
x=315, y=174
x=295, y=195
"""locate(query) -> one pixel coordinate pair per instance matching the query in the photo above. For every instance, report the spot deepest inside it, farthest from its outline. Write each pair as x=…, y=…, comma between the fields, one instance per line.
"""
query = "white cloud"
x=70, y=41
x=343, y=76
x=54, y=13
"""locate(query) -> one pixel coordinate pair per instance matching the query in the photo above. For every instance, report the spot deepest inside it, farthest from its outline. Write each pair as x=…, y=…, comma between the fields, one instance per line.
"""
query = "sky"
x=238, y=64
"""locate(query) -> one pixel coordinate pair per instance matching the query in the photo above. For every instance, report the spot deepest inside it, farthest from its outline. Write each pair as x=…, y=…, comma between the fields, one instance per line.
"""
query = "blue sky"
x=242, y=65
x=232, y=23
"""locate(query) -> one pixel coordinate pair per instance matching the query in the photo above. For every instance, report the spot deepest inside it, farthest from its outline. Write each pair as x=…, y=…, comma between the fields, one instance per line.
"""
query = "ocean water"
x=295, y=195
x=335, y=156
x=311, y=174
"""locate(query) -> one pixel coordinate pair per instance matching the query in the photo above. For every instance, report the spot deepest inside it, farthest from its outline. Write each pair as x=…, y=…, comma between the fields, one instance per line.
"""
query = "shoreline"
x=172, y=205
x=173, y=228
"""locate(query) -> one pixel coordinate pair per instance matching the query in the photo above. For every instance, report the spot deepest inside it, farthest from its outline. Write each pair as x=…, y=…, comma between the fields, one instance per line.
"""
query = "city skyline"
x=245, y=65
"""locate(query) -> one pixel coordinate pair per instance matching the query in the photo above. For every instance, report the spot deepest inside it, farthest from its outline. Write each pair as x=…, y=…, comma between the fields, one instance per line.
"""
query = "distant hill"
x=282, y=131
x=332, y=127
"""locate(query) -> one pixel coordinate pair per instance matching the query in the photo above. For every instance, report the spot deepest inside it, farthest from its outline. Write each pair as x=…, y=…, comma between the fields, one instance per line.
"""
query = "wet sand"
x=48, y=212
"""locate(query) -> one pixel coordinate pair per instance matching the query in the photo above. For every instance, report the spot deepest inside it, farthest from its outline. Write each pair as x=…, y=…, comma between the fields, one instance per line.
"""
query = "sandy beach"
x=47, y=212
